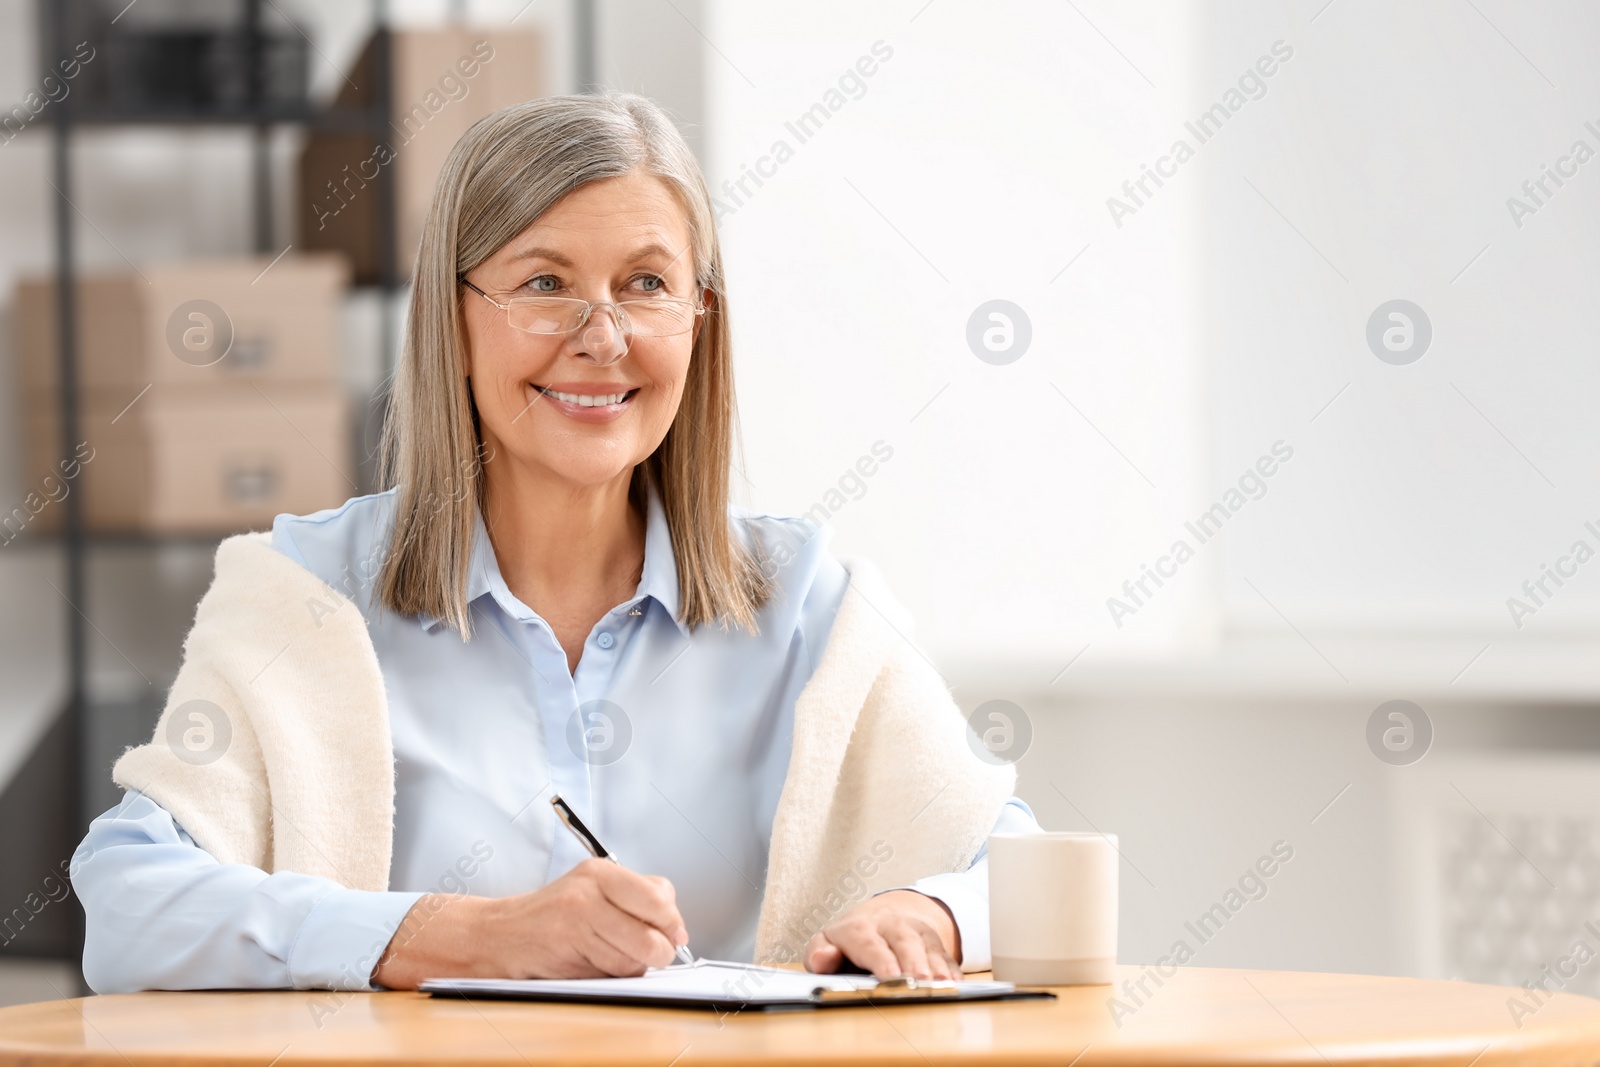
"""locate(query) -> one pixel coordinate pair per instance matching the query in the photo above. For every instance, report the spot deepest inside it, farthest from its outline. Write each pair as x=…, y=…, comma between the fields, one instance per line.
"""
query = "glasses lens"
x=662, y=317
x=545, y=315
x=659, y=318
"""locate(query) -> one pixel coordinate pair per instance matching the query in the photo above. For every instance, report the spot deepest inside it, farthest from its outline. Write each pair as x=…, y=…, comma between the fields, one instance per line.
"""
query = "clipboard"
x=733, y=987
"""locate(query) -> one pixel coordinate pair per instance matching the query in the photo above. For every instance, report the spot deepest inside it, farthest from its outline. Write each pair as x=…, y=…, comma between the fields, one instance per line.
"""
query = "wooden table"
x=1200, y=1016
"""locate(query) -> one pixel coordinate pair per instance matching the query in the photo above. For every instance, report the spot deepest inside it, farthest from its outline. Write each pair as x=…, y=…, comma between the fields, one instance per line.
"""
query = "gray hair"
x=505, y=171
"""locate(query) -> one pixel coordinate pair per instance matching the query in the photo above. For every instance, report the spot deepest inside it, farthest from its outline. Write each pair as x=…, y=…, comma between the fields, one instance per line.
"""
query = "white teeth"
x=583, y=400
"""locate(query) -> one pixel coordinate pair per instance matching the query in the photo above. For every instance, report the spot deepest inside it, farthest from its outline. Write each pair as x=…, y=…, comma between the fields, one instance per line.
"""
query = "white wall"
x=972, y=167
x=1392, y=143
x=1221, y=318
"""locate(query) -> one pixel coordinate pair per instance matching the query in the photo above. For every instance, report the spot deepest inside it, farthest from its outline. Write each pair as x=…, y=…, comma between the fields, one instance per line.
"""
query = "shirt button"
x=605, y=639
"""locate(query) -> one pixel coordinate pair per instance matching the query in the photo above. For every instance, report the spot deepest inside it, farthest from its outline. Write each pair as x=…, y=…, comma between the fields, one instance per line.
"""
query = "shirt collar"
x=658, y=582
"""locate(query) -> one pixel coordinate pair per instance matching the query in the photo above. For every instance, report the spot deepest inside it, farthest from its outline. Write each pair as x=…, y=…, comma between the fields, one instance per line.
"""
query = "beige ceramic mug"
x=1053, y=907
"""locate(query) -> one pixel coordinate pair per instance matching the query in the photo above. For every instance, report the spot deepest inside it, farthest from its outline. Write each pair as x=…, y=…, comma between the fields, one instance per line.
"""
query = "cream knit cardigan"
x=882, y=787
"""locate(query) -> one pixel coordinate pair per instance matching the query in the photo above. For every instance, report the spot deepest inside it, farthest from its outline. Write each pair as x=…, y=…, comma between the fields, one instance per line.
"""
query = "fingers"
x=597, y=919
x=884, y=943
x=607, y=960
x=939, y=959
x=865, y=945
x=822, y=956
x=648, y=898
x=911, y=952
x=637, y=944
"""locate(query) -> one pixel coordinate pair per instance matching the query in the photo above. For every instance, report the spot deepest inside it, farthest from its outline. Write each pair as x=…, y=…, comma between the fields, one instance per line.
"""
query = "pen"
x=570, y=820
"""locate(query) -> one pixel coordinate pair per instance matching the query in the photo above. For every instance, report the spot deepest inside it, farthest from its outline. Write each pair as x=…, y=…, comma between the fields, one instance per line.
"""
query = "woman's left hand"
x=899, y=932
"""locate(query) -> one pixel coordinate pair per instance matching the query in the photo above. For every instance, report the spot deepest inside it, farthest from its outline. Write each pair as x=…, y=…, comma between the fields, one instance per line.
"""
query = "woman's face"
x=616, y=239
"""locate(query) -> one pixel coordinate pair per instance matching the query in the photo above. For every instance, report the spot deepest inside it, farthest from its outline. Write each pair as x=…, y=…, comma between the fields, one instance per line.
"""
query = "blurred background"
x=1224, y=372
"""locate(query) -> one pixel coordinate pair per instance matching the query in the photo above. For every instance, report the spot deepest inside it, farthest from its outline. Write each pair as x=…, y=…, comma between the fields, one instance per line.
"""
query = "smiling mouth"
x=587, y=401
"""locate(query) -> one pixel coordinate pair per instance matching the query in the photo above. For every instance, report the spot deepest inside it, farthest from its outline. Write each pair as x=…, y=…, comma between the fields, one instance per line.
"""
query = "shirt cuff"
x=966, y=894
x=342, y=939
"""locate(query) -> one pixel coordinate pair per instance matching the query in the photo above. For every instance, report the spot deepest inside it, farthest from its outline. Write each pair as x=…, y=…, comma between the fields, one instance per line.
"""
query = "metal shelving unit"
x=45, y=834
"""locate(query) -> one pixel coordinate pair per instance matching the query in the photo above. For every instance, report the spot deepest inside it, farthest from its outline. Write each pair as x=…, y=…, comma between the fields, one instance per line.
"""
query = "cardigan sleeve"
x=163, y=913
x=274, y=749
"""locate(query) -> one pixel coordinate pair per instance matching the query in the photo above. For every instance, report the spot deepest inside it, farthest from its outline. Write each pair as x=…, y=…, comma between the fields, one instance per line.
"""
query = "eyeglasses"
x=657, y=316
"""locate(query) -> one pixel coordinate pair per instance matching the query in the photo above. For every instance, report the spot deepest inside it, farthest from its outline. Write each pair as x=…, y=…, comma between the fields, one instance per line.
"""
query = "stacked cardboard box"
x=209, y=394
x=441, y=81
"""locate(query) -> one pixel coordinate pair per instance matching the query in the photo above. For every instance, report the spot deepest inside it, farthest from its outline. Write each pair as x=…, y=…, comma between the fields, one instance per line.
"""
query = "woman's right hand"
x=597, y=920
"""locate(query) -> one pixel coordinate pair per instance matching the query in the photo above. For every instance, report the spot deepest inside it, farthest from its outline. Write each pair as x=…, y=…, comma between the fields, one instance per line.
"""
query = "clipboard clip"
x=899, y=987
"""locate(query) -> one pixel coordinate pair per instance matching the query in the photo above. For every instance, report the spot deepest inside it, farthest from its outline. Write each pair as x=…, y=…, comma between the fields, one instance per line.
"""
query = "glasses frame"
x=618, y=309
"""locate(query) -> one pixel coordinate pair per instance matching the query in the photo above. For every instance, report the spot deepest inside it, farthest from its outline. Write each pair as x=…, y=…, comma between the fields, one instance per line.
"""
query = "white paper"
x=703, y=981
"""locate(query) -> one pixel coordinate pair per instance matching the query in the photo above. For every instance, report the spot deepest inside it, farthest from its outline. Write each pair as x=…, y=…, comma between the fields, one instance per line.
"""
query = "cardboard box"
x=441, y=82
x=197, y=460
x=189, y=323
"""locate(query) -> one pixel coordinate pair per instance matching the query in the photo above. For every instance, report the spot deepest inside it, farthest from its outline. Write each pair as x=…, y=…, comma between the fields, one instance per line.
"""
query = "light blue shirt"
x=672, y=746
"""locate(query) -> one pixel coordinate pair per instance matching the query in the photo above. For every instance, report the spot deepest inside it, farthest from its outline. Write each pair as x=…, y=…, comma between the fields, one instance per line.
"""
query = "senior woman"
x=349, y=787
